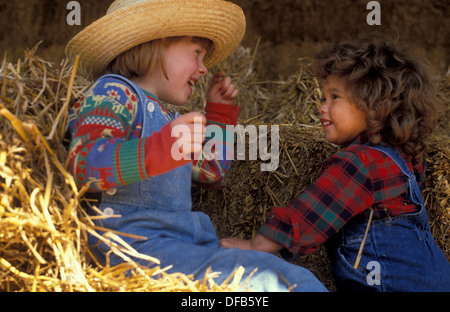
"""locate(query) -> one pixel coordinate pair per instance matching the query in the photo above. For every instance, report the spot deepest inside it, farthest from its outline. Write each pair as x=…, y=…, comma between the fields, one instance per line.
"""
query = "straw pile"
x=437, y=191
x=43, y=226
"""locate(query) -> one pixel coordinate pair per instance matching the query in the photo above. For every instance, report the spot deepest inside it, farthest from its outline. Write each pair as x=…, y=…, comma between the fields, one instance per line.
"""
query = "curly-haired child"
x=367, y=203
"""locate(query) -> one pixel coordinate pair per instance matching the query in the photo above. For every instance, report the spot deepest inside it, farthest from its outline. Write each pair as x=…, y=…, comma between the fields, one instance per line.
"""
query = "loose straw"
x=64, y=110
x=358, y=258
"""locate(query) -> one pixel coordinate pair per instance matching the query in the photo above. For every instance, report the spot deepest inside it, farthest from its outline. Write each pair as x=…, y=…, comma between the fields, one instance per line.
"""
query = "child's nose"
x=202, y=69
x=323, y=108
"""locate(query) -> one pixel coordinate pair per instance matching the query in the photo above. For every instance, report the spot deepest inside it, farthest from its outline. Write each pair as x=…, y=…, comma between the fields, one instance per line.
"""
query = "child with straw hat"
x=144, y=52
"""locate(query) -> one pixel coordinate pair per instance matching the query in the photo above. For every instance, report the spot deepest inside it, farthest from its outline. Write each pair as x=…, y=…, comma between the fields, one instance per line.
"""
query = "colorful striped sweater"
x=107, y=149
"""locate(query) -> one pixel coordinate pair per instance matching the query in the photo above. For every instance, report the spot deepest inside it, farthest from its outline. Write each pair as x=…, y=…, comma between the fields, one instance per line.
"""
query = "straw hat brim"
x=102, y=41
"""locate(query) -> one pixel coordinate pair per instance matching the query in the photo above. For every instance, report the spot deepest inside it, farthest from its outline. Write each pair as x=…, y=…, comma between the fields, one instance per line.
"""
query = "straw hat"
x=129, y=23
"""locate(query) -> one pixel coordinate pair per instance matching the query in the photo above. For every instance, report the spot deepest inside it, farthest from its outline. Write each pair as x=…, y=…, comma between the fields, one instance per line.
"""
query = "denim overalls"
x=399, y=253
x=159, y=209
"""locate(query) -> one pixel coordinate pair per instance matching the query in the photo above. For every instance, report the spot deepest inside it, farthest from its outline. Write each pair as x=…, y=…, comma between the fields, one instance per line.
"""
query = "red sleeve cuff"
x=158, y=153
x=222, y=113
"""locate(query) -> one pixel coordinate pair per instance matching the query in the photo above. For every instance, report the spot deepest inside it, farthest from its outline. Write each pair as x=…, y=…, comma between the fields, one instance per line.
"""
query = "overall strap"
x=142, y=98
x=140, y=94
x=415, y=194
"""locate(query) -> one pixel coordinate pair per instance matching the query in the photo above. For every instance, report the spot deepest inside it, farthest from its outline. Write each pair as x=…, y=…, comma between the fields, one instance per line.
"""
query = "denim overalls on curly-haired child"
x=415, y=262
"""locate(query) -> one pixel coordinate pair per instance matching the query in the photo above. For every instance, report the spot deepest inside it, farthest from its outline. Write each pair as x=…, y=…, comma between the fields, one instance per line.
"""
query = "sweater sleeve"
x=218, y=151
x=106, y=150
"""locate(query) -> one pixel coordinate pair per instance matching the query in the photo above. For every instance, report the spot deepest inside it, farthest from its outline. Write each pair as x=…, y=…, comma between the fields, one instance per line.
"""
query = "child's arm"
x=106, y=147
x=259, y=243
x=210, y=169
x=343, y=190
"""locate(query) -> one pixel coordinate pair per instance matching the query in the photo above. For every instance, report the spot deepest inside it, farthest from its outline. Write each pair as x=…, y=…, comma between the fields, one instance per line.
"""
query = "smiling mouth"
x=192, y=82
x=325, y=122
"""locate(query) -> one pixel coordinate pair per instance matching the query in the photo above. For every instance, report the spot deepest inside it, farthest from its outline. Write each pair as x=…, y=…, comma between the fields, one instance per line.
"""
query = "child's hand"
x=235, y=242
x=259, y=242
x=222, y=90
x=189, y=131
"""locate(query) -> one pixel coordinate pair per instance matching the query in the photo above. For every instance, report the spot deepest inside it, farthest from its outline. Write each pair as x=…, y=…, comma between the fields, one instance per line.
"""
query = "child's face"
x=184, y=68
x=341, y=120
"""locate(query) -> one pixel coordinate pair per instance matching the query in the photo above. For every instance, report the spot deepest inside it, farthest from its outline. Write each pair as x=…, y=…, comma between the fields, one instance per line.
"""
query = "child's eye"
x=335, y=96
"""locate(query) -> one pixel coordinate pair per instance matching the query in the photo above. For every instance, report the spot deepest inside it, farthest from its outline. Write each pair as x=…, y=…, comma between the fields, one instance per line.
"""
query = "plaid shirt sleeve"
x=351, y=181
x=343, y=190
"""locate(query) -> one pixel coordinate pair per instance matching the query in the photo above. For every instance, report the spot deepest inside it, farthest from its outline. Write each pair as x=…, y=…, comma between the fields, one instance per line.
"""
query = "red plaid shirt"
x=351, y=181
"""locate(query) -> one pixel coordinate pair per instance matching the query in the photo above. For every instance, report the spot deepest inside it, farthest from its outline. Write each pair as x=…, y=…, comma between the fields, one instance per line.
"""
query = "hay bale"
x=436, y=191
x=296, y=100
x=240, y=207
x=443, y=124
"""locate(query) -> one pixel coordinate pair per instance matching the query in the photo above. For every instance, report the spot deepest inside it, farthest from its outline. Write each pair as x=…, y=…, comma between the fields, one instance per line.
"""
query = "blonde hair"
x=394, y=87
x=143, y=58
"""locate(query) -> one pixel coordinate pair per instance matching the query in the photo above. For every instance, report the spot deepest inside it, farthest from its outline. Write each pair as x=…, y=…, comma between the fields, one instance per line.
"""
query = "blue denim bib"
x=399, y=253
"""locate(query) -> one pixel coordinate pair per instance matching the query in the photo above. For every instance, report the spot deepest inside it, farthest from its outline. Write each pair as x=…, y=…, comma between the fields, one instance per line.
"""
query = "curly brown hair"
x=396, y=89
